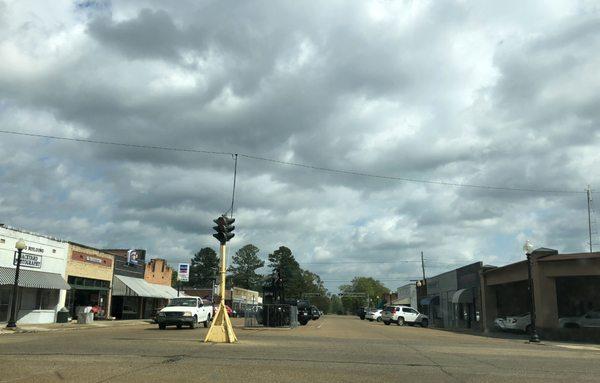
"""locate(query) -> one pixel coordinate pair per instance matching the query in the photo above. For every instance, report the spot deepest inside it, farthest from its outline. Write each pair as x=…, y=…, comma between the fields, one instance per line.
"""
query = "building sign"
x=183, y=272
x=83, y=257
x=29, y=260
x=133, y=257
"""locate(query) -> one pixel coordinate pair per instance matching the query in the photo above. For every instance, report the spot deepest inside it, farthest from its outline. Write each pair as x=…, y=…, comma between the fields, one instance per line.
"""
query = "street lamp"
x=12, y=323
x=528, y=248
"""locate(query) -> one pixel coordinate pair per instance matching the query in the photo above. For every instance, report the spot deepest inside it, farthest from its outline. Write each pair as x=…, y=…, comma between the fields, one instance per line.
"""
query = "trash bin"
x=85, y=315
x=62, y=316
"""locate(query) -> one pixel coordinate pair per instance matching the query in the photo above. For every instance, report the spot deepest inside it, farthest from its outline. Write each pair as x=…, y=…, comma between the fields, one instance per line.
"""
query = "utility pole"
x=423, y=268
x=589, y=203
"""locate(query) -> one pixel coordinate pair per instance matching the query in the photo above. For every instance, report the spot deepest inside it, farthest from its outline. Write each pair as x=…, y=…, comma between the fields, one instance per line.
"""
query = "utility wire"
x=301, y=165
x=113, y=143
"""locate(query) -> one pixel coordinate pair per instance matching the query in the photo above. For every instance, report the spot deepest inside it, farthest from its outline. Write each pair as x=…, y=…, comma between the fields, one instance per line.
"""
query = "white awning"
x=137, y=287
x=33, y=279
x=167, y=291
x=463, y=296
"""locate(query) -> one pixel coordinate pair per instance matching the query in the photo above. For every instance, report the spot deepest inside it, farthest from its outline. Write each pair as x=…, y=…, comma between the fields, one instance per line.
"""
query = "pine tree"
x=204, y=268
x=243, y=270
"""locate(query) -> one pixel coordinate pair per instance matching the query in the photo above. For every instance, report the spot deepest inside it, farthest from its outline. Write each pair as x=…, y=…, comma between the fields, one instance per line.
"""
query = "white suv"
x=402, y=314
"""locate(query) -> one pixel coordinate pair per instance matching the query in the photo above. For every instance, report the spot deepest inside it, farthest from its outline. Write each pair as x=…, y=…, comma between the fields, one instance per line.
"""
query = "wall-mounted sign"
x=183, y=272
x=29, y=260
x=133, y=257
x=83, y=257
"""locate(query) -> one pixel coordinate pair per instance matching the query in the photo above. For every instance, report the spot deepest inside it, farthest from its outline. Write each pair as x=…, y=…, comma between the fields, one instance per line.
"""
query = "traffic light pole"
x=221, y=330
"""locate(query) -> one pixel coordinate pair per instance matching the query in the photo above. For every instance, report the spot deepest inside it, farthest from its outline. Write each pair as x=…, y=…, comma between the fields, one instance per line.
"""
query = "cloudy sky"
x=503, y=94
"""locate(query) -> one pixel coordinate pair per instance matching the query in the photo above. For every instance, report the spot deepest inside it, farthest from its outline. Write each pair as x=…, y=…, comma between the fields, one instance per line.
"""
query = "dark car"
x=315, y=313
x=304, y=312
x=361, y=313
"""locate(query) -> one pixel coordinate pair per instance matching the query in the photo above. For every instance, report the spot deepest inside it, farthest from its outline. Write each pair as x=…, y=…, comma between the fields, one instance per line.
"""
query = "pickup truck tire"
x=424, y=323
x=400, y=321
x=387, y=323
x=162, y=326
x=194, y=322
x=207, y=321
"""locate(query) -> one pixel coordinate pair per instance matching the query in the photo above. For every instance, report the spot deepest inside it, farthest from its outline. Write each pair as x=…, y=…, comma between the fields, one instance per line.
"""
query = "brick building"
x=158, y=272
x=90, y=274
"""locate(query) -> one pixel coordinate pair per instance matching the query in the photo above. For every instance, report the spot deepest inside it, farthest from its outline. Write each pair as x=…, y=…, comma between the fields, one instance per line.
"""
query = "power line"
x=301, y=165
x=378, y=262
x=113, y=143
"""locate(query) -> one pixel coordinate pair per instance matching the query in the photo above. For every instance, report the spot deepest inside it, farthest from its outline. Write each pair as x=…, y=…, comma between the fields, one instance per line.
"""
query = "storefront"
x=566, y=293
x=438, y=302
x=90, y=274
x=42, y=285
x=132, y=296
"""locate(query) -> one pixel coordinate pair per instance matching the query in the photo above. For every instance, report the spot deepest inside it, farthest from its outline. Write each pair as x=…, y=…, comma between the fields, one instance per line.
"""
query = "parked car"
x=230, y=312
x=362, y=312
x=590, y=319
x=520, y=322
x=187, y=311
x=315, y=313
x=374, y=315
x=403, y=315
x=304, y=312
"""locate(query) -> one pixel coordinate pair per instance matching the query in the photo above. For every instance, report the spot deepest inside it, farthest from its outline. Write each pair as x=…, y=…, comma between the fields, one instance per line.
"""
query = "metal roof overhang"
x=137, y=287
x=463, y=296
x=33, y=279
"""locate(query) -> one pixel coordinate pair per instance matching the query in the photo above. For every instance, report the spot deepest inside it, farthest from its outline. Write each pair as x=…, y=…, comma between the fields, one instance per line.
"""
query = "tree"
x=204, y=268
x=283, y=263
x=174, y=279
x=335, y=305
x=243, y=269
x=297, y=283
x=371, y=287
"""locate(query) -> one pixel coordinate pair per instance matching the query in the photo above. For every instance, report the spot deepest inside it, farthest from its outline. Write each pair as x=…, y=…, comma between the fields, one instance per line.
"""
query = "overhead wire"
x=298, y=164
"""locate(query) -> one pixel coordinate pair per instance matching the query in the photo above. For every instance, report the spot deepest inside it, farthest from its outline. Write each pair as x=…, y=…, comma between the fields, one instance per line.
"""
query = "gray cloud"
x=478, y=94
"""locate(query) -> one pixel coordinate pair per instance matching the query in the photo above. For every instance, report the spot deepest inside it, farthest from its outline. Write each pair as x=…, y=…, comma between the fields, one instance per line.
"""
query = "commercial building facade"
x=42, y=286
x=454, y=298
x=133, y=297
x=407, y=296
x=90, y=275
x=564, y=285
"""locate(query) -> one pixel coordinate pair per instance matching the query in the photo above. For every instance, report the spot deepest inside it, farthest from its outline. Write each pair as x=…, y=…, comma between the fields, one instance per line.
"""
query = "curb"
x=69, y=327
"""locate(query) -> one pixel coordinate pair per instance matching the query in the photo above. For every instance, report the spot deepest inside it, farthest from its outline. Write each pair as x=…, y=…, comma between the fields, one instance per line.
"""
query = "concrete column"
x=489, y=304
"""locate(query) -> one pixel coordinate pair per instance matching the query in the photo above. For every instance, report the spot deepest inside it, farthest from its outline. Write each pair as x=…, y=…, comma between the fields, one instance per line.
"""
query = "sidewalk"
x=31, y=328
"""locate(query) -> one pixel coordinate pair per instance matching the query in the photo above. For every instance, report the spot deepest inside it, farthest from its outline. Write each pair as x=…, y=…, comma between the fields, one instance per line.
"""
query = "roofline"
x=4, y=226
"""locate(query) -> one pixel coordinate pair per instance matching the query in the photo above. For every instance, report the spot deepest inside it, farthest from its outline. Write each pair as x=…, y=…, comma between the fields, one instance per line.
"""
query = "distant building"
x=158, y=272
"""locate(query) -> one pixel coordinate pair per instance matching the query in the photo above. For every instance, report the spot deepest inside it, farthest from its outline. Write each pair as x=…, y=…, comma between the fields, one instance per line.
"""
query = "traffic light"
x=224, y=229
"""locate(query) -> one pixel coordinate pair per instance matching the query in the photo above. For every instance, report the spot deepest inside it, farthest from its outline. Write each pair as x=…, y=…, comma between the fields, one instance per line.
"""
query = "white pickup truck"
x=187, y=311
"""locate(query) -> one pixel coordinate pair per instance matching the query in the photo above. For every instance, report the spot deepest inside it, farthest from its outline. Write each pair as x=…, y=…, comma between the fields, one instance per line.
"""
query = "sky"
x=501, y=94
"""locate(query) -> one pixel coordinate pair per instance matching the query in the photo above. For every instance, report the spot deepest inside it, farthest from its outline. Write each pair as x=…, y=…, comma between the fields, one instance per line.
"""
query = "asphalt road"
x=332, y=349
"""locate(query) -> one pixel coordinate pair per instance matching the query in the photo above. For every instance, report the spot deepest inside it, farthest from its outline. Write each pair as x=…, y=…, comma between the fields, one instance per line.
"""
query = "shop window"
x=45, y=299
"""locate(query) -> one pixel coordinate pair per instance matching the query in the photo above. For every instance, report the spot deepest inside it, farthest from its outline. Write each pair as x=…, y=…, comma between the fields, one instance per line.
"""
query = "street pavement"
x=331, y=349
